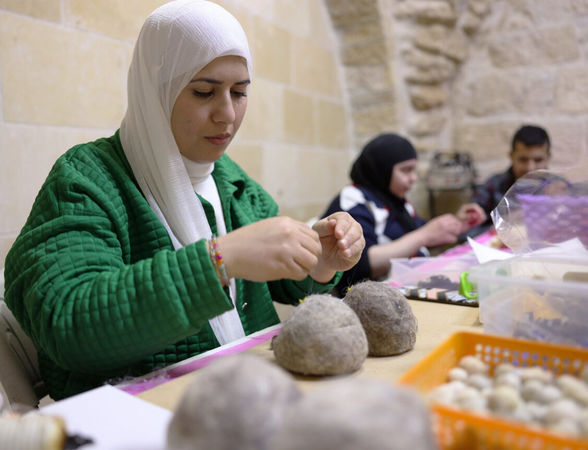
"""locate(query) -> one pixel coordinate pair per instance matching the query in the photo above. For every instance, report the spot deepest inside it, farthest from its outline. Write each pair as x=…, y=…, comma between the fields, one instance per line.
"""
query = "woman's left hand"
x=342, y=242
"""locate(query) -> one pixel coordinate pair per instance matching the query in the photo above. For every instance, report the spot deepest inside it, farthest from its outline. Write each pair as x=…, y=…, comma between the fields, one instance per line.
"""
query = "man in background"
x=530, y=150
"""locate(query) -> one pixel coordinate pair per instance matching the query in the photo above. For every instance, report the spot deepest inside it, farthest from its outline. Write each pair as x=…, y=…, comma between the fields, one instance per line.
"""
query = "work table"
x=436, y=321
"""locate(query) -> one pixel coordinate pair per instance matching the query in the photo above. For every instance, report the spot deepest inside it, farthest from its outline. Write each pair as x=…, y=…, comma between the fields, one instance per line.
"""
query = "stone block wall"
x=63, y=68
x=463, y=75
x=452, y=75
x=528, y=64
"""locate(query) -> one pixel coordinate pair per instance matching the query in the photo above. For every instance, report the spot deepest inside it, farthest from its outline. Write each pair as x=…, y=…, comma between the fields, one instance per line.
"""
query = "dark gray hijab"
x=373, y=170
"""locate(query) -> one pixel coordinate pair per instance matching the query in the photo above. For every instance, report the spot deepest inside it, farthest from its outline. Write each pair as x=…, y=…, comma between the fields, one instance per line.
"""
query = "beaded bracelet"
x=217, y=260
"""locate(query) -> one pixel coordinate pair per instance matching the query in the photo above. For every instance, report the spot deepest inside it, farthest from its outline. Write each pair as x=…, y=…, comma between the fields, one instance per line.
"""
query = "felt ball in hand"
x=323, y=336
x=386, y=316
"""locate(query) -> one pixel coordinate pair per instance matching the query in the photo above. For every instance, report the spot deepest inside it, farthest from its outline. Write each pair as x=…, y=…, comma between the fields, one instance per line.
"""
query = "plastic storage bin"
x=411, y=271
x=543, y=299
x=432, y=279
x=456, y=429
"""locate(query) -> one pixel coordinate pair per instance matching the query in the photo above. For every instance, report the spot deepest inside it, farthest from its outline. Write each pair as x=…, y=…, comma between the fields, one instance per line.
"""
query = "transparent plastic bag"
x=543, y=209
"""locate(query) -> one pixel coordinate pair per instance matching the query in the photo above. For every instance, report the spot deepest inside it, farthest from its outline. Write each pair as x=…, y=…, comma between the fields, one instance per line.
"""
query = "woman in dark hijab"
x=382, y=175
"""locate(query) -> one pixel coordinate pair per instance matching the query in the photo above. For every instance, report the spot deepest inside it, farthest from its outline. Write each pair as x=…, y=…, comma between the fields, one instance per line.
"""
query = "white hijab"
x=177, y=41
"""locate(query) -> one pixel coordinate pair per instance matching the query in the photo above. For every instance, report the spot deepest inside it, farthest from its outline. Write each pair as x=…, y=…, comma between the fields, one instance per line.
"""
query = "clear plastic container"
x=432, y=279
x=537, y=298
x=412, y=271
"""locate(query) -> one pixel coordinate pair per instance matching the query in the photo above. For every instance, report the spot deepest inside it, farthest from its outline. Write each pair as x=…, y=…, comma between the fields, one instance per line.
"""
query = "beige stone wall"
x=328, y=75
x=63, y=66
x=463, y=75
x=529, y=63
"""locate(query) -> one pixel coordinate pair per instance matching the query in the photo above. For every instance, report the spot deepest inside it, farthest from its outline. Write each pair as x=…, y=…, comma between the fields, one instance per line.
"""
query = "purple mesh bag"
x=554, y=219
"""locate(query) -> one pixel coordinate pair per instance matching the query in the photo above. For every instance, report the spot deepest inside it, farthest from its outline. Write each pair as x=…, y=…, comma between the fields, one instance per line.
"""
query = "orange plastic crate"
x=456, y=429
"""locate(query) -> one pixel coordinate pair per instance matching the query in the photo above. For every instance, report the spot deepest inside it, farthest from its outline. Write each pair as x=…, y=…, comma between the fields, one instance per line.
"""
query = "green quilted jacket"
x=95, y=282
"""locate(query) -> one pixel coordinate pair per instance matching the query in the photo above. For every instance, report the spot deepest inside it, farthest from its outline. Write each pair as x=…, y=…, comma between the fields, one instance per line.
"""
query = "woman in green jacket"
x=152, y=245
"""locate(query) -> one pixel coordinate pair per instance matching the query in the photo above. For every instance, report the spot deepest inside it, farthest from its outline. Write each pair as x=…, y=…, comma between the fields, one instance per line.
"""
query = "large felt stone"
x=323, y=336
x=386, y=316
x=236, y=402
x=354, y=413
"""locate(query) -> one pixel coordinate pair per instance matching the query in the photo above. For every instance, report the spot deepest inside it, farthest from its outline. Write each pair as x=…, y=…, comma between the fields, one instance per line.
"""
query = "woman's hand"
x=282, y=247
x=470, y=214
x=342, y=242
x=271, y=249
x=441, y=230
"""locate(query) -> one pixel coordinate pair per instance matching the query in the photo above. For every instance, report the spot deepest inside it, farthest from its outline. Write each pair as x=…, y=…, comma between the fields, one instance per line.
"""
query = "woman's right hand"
x=470, y=214
x=441, y=230
x=271, y=249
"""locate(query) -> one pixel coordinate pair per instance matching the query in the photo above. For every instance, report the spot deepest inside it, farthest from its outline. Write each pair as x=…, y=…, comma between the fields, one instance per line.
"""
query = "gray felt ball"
x=323, y=336
x=386, y=316
x=238, y=401
x=355, y=413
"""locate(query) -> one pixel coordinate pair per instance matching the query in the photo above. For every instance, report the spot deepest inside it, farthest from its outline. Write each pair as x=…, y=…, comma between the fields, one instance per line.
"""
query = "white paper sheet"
x=572, y=247
x=484, y=253
x=114, y=419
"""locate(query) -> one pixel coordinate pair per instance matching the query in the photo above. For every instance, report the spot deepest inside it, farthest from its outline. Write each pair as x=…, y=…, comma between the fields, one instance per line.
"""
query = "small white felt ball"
x=479, y=381
x=574, y=388
x=532, y=390
x=472, y=364
x=503, y=368
x=504, y=400
x=508, y=378
x=471, y=399
x=584, y=373
x=562, y=409
x=457, y=374
x=536, y=373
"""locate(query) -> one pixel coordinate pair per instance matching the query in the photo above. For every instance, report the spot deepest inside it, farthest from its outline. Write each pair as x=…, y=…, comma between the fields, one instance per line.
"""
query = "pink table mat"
x=466, y=248
x=153, y=379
